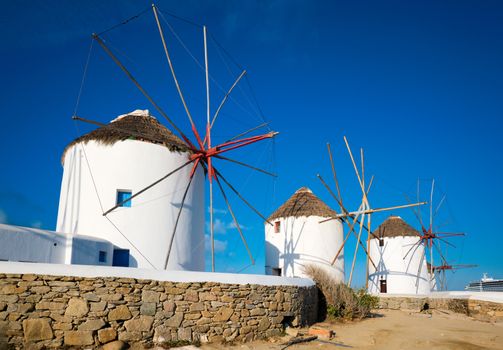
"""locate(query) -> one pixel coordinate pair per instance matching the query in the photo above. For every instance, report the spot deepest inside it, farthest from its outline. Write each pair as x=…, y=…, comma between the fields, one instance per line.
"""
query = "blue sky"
x=418, y=85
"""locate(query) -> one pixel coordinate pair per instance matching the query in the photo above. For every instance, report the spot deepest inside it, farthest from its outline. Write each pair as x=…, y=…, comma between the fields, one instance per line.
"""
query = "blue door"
x=121, y=257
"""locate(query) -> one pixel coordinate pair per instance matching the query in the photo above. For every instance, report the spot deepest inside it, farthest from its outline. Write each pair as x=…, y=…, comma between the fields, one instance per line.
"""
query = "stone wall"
x=54, y=311
x=479, y=309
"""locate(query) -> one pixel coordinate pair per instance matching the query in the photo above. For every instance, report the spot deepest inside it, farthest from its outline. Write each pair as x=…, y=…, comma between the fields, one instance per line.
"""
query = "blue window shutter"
x=122, y=196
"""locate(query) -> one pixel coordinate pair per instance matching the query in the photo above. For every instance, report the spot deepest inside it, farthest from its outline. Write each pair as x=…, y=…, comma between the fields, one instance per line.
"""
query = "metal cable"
x=83, y=77
x=125, y=21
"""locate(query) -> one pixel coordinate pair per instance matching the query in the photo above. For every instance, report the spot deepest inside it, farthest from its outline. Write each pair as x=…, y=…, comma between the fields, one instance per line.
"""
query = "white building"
x=26, y=244
x=400, y=269
x=106, y=166
x=297, y=238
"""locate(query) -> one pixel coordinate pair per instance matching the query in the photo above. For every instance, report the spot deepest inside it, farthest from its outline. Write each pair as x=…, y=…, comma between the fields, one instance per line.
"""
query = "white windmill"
x=165, y=192
x=297, y=238
x=428, y=247
x=358, y=217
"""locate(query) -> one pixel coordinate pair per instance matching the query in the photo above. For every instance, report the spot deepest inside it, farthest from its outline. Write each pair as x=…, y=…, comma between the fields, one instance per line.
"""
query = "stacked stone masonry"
x=481, y=310
x=52, y=311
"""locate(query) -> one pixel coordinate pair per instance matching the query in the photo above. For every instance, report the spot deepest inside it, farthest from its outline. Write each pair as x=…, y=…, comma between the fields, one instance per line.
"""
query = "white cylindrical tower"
x=297, y=238
x=398, y=270
x=106, y=166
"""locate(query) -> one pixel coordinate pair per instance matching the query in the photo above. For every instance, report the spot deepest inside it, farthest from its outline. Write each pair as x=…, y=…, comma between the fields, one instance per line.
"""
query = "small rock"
x=130, y=336
x=99, y=306
x=106, y=335
x=292, y=331
x=115, y=345
x=321, y=332
x=91, y=297
x=148, y=309
x=197, y=307
x=77, y=308
x=149, y=296
x=92, y=325
x=121, y=312
x=79, y=338
x=257, y=312
x=223, y=314
x=162, y=334
x=174, y=321
x=263, y=324
x=141, y=324
x=169, y=306
x=185, y=334
x=191, y=295
x=37, y=329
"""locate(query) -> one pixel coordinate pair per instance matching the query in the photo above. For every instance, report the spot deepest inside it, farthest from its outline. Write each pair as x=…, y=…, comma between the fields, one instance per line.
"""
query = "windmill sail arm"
x=247, y=132
x=226, y=97
x=246, y=165
x=228, y=146
x=370, y=211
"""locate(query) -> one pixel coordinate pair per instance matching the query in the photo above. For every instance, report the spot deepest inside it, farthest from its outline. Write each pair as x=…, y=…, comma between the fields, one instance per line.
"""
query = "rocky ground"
x=393, y=329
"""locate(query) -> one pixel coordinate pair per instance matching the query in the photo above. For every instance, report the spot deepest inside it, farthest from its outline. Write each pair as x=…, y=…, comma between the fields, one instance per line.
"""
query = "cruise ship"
x=486, y=284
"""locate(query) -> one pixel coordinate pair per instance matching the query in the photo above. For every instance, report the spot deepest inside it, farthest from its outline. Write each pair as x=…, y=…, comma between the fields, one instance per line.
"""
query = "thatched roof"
x=303, y=203
x=138, y=123
x=394, y=226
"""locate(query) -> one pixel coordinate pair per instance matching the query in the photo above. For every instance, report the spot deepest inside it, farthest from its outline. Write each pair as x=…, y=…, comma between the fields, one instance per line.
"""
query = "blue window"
x=122, y=196
x=102, y=256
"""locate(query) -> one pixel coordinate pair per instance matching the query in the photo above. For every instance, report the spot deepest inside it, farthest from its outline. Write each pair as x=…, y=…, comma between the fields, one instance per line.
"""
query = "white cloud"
x=232, y=225
x=3, y=217
x=220, y=245
x=219, y=226
x=218, y=211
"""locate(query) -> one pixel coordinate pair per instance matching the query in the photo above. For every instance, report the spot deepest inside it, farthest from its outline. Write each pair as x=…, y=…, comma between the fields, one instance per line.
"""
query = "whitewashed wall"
x=27, y=244
x=148, y=223
x=403, y=276
x=303, y=241
x=31, y=245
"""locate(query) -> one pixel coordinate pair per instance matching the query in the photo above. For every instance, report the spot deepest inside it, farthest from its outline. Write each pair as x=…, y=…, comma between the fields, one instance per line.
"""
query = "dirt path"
x=393, y=330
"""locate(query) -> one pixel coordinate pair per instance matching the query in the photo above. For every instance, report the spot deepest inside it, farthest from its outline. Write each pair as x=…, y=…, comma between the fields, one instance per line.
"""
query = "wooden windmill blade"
x=339, y=195
x=356, y=252
x=413, y=247
x=238, y=226
x=365, y=204
x=420, y=267
x=178, y=215
x=346, y=219
x=431, y=219
x=173, y=74
x=356, y=170
x=437, y=209
x=351, y=230
x=416, y=211
x=419, y=212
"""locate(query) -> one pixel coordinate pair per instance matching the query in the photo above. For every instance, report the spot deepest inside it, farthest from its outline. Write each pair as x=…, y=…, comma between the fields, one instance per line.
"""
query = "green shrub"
x=342, y=301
